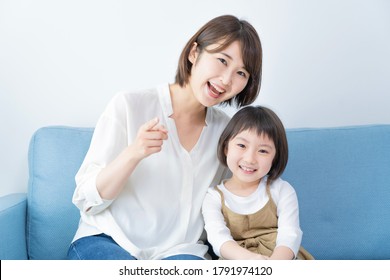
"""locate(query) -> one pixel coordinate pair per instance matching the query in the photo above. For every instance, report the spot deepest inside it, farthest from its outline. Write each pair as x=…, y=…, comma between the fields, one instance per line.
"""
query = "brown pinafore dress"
x=257, y=232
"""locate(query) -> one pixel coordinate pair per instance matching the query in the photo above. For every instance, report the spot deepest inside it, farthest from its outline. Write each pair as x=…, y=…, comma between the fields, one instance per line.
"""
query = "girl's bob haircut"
x=262, y=120
x=226, y=30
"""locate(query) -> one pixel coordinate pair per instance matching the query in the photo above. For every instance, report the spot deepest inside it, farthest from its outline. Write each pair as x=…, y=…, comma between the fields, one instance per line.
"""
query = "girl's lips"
x=247, y=170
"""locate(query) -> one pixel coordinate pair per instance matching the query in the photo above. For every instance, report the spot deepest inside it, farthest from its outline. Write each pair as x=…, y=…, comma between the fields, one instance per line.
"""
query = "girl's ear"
x=192, y=56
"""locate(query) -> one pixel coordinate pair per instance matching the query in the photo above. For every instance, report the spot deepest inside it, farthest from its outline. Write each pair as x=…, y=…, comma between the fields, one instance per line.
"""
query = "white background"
x=326, y=63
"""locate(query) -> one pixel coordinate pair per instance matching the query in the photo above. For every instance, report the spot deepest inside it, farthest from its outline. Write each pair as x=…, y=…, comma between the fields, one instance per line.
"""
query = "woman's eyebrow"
x=231, y=58
x=225, y=54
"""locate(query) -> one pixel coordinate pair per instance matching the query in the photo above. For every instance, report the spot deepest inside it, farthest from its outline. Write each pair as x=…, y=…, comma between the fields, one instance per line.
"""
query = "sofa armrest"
x=13, y=210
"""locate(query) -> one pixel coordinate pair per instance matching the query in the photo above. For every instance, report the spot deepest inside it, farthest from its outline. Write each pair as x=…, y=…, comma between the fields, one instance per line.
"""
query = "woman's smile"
x=214, y=90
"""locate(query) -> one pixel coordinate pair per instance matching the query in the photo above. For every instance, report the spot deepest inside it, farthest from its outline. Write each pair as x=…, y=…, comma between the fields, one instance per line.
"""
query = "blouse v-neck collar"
x=166, y=101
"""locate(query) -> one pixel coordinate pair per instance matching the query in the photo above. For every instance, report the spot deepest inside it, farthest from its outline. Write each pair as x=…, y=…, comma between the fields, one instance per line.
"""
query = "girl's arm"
x=282, y=253
x=218, y=233
x=289, y=235
x=230, y=250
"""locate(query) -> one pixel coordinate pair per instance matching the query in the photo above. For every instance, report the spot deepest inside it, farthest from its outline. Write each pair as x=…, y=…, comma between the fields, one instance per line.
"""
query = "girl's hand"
x=261, y=257
x=149, y=139
x=230, y=250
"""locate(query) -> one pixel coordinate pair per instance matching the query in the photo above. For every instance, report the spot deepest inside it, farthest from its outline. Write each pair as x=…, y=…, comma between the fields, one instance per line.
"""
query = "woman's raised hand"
x=150, y=138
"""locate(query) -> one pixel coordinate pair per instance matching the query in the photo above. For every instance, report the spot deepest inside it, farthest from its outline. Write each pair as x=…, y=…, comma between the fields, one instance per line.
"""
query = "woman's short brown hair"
x=227, y=29
x=264, y=121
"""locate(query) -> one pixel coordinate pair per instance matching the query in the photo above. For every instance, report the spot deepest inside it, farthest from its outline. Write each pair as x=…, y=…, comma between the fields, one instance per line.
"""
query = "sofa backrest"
x=341, y=176
x=55, y=155
x=342, y=179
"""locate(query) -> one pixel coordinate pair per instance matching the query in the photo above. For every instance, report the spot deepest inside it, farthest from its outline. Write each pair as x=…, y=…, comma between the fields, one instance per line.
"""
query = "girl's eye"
x=263, y=151
x=222, y=61
x=241, y=146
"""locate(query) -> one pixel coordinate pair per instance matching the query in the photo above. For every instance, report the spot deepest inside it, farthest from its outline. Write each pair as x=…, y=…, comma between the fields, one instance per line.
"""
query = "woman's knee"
x=183, y=257
x=97, y=247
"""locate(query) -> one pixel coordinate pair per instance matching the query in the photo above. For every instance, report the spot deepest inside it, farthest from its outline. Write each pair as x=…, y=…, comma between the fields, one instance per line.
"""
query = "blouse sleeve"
x=289, y=231
x=108, y=140
x=215, y=226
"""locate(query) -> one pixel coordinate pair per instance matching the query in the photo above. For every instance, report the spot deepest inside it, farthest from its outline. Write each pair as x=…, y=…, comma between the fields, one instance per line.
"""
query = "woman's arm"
x=110, y=159
x=111, y=180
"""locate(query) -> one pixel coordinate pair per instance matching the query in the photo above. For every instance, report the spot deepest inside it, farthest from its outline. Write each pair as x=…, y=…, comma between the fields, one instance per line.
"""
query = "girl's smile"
x=249, y=156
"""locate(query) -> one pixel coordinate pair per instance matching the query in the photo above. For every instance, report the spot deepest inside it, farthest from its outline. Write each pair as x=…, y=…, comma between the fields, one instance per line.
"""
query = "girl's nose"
x=250, y=157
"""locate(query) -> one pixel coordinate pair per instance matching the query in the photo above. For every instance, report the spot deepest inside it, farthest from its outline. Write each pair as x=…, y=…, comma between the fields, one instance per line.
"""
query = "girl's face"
x=216, y=77
x=249, y=157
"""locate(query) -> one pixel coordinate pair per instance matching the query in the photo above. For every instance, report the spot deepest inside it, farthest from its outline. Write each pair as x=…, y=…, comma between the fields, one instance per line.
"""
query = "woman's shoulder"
x=135, y=98
x=218, y=116
x=138, y=93
x=125, y=101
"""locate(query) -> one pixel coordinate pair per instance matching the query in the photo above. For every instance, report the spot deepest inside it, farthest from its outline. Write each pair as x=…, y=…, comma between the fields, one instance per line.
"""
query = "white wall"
x=326, y=63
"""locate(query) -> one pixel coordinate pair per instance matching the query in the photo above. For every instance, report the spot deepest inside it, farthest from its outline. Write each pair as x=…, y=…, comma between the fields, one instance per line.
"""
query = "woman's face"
x=216, y=77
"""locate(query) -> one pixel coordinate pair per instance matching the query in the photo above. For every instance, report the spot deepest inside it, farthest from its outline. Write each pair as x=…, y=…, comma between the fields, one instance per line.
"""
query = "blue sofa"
x=341, y=175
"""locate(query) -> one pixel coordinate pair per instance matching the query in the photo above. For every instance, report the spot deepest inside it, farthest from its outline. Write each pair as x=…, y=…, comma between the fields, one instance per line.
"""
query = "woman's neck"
x=189, y=116
x=185, y=105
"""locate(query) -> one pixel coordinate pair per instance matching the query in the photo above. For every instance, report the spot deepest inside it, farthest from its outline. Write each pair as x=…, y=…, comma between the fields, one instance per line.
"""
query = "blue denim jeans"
x=103, y=247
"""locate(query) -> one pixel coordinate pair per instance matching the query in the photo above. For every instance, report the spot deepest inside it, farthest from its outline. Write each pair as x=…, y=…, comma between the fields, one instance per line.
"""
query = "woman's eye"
x=241, y=73
x=222, y=60
x=263, y=151
x=241, y=146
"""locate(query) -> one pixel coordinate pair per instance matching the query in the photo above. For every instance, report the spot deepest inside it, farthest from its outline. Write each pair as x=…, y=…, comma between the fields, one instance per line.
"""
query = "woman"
x=152, y=156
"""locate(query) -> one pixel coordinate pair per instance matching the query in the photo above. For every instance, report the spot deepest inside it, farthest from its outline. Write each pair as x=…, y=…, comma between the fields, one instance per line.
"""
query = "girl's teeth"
x=247, y=169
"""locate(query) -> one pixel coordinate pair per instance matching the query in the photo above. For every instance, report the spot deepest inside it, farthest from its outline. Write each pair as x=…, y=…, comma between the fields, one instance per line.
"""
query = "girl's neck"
x=241, y=188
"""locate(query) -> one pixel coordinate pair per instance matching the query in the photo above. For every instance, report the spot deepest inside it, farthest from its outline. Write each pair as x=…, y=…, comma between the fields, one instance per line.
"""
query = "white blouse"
x=282, y=193
x=158, y=213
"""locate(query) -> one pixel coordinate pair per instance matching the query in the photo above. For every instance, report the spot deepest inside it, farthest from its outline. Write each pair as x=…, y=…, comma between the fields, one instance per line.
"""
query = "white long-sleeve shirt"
x=158, y=213
x=282, y=193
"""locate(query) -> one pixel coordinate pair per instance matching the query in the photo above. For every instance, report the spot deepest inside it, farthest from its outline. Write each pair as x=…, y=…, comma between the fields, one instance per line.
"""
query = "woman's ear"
x=192, y=56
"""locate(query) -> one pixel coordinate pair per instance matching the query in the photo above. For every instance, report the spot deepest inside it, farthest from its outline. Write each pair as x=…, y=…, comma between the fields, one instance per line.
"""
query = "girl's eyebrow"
x=261, y=145
x=241, y=138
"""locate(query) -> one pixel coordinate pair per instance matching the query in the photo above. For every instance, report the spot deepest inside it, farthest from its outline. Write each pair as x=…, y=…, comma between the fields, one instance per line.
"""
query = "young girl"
x=254, y=214
x=153, y=153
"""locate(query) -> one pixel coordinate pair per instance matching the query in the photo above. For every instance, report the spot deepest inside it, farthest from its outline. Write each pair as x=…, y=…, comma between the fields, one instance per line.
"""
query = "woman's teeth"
x=214, y=90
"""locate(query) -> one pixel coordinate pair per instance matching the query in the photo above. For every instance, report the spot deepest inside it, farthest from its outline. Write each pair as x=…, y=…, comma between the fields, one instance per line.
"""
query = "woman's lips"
x=214, y=92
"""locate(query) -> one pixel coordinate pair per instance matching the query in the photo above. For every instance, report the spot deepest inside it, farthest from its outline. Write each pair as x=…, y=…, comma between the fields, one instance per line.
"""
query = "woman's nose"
x=226, y=78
